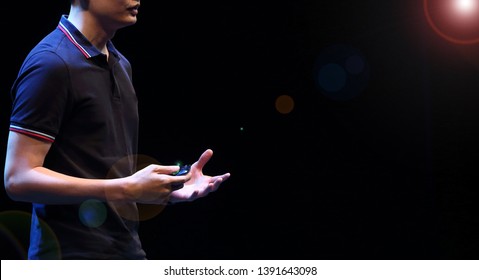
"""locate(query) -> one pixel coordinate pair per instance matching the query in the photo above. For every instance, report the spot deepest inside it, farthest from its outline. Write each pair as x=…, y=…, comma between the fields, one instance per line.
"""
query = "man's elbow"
x=13, y=188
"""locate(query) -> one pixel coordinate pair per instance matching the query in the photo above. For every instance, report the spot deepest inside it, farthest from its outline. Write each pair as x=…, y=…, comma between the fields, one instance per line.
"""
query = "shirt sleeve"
x=40, y=96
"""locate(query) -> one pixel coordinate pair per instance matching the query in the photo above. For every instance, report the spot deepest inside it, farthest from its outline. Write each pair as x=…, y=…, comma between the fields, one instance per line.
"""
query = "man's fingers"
x=204, y=158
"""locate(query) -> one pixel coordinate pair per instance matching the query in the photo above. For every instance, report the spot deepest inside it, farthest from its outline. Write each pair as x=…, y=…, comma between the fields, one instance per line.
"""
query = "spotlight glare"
x=456, y=21
x=465, y=6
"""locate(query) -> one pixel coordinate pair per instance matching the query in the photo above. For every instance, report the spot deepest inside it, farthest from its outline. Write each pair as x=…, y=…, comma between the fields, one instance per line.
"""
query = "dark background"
x=385, y=168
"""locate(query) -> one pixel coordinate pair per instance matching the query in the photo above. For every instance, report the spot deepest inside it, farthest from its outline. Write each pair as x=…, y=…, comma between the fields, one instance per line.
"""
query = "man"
x=73, y=142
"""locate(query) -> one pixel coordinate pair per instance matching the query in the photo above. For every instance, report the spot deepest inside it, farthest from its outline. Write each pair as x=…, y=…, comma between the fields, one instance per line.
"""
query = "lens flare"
x=457, y=21
x=465, y=7
x=92, y=213
x=341, y=72
x=131, y=211
x=15, y=238
x=284, y=104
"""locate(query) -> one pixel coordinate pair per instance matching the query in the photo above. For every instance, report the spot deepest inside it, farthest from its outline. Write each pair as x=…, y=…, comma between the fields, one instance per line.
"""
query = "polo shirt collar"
x=80, y=41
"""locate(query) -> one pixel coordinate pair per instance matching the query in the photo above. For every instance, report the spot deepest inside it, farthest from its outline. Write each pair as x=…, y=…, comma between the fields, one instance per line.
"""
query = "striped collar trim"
x=33, y=133
x=72, y=39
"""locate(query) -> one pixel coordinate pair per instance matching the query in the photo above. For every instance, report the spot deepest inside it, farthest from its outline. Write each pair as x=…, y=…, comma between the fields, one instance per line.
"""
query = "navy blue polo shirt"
x=69, y=94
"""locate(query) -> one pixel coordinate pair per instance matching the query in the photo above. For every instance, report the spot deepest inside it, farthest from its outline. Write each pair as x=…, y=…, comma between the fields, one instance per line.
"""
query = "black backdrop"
x=376, y=162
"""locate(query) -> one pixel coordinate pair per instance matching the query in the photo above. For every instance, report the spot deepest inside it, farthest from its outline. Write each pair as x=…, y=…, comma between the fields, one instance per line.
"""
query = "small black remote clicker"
x=184, y=169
